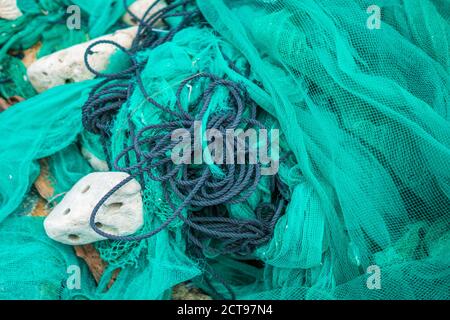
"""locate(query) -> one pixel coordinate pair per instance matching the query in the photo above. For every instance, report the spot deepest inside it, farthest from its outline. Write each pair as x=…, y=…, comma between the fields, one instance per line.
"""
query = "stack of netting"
x=363, y=175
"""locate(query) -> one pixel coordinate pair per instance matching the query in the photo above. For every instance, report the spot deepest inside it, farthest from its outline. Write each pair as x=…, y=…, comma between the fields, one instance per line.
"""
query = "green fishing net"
x=363, y=115
x=45, y=266
x=46, y=21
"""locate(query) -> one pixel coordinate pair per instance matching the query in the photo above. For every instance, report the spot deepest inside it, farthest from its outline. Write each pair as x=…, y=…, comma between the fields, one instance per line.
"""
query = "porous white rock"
x=139, y=7
x=96, y=163
x=67, y=65
x=121, y=214
x=9, y=10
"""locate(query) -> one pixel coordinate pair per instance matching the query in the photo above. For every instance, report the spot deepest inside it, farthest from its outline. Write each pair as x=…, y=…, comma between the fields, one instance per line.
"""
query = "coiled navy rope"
x=196, y=187
x=106, y=98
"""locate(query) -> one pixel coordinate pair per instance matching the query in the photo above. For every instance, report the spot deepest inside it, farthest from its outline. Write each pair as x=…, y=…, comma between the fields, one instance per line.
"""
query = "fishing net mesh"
x=43, y=263
x=45, y=22
x=363, y=113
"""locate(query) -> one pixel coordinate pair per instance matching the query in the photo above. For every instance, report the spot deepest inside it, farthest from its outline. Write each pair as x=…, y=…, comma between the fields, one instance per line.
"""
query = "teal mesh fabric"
x=364, y=113
x=66, y=168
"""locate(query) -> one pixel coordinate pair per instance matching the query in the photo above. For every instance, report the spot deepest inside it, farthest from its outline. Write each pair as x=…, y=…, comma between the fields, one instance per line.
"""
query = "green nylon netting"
x=45, y=21
x=364, y=112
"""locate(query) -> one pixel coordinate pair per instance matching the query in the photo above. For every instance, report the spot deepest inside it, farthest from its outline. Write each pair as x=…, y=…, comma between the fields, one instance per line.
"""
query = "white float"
x=121, y=214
